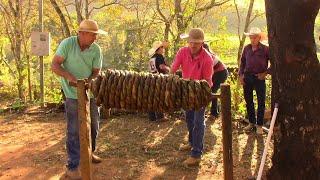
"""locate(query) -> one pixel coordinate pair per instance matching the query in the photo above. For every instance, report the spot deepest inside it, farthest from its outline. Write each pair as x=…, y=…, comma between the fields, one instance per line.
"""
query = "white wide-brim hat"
x=155, y=46
x=89, y=25
x=257, y=31
x=253, y=31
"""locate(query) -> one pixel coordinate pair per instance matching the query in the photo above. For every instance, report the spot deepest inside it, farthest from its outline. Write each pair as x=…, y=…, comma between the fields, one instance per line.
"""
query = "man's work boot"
x=191, y=161
x=72, y=174
x=185, y=147
x=96, y=159
x=249, y=127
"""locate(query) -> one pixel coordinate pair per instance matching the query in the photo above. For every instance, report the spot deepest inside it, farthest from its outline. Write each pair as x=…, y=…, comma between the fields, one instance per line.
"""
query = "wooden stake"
x=226, y=131
x=84, y=131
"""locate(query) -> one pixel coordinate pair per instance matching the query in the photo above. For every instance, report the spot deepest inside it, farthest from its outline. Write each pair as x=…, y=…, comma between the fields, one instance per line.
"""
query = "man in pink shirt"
x=196, y=64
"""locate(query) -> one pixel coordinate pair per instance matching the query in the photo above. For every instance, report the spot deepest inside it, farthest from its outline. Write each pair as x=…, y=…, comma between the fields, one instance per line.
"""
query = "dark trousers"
x=153, y=116
x=253, y=83
x=218, y=78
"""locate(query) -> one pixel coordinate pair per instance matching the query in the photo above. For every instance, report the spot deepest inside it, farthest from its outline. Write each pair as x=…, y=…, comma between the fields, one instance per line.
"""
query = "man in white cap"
x=252, y=74
x=78, y=57
x=196, y=64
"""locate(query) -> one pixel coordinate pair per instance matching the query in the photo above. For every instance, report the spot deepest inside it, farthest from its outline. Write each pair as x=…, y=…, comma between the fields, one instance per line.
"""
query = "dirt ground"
x=32, y=146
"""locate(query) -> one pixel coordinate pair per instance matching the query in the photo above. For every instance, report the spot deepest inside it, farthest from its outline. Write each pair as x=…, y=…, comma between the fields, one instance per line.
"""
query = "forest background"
x=132, y=26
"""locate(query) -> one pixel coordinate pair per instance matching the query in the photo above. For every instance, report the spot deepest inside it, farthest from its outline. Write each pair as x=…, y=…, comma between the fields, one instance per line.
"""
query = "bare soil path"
x=32, y=146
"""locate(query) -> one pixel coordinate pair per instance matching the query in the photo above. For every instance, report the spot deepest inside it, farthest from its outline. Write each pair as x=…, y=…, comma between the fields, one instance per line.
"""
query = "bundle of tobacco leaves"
x=149, y=92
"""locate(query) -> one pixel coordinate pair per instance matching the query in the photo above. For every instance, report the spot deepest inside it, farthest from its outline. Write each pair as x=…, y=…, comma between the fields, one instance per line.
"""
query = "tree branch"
x=104, y=5
x=12, y=8
x=212, y=4
x=256, y=16
x=159, y=11
x=65, y=26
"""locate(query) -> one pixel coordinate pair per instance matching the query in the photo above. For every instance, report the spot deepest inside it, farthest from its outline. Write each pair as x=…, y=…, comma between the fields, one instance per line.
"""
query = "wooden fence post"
x=226, y=131
x=84, y=130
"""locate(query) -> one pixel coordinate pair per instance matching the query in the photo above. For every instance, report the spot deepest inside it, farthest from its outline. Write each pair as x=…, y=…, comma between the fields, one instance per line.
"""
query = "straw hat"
x=89, y=25
x=253, y=31
x=194, y=35
x=155, y=46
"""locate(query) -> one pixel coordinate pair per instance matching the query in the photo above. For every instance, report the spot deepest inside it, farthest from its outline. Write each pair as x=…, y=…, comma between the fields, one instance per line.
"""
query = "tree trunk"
x=65, y=26
x=86, y=9
x=243, y=37
x=296, y=74
x=20, y=80
x=166, y=36
x=180, y=23
x=29, y=78
x=78, y=5
x=17, y=48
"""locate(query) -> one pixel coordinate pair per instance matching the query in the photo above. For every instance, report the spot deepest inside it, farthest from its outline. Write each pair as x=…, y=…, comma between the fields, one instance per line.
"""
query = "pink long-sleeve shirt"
x=197, y=68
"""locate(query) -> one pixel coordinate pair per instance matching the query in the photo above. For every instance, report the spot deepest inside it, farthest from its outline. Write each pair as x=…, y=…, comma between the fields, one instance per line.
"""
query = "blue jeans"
x=217, y=79
x=73, y=143
x=253, y=83
x=196, y=126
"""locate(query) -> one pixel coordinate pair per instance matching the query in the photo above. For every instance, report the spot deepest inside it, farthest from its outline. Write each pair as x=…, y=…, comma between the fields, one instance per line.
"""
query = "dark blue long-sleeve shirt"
x=254, y=62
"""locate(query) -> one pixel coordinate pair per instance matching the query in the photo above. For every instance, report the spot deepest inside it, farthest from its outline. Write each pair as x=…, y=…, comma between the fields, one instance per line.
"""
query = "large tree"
x=296, y=86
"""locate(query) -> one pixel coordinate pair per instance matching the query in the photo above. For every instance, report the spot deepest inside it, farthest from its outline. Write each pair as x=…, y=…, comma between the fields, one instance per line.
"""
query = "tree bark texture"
x=84, y=131
x=16, y=43
x=296, y=86
x=226, y=131
x=78, y=4
x=65, y=27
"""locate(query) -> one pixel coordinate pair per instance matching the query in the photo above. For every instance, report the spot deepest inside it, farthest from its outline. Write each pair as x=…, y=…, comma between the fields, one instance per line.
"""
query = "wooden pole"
x=226, y=131
x=84, y=131
x=41, y=57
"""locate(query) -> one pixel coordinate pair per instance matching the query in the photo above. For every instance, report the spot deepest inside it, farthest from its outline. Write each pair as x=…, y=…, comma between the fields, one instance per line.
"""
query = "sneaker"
x=249, y=127
x=191, y=161
x=96, y=159
x=185, y=147
x=259, y=130
x=72, y=174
